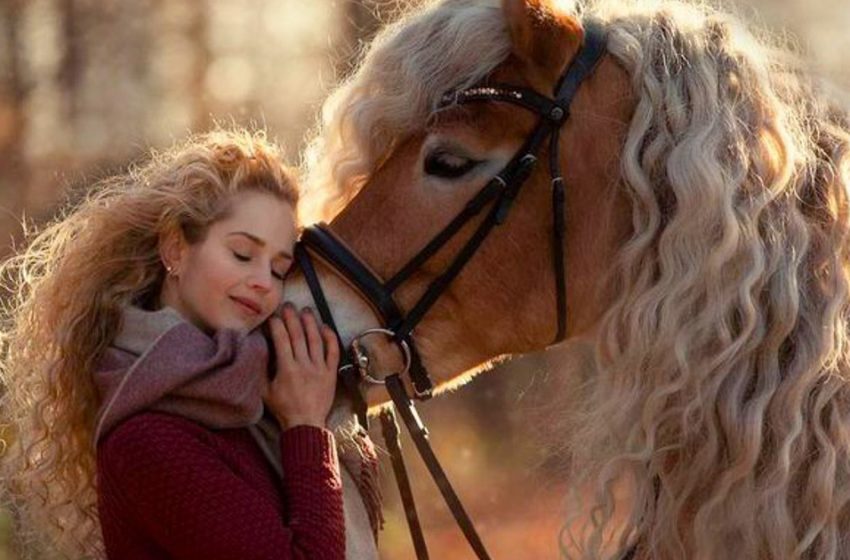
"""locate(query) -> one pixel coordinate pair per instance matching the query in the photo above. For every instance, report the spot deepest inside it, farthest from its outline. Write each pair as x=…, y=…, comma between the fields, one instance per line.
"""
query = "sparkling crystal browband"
x=481, y=91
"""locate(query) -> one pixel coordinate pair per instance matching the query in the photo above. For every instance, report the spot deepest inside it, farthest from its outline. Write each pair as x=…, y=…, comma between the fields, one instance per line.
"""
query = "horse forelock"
x=433, y=48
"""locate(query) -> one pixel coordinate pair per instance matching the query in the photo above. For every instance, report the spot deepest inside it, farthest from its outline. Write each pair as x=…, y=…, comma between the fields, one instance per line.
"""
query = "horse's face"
x=504, y=300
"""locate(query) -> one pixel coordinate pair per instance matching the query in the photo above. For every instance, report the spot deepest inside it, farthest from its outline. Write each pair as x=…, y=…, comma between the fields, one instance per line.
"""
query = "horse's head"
x=707, y=177
x=436, y=158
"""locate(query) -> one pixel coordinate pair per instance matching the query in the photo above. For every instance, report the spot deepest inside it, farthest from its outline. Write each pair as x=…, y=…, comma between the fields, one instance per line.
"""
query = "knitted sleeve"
x=178, y=491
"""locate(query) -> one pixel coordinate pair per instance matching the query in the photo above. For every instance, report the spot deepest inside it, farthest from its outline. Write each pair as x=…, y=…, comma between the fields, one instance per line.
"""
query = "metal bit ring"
x=362, y=361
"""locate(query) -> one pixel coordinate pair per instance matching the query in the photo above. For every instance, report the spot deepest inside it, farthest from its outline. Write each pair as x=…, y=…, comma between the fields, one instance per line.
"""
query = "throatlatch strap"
x=559, y=219
x=419, y=434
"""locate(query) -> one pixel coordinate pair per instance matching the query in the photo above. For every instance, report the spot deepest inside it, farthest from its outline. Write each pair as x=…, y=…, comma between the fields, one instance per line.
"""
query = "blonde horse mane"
x=720, y=390
x=396, y=86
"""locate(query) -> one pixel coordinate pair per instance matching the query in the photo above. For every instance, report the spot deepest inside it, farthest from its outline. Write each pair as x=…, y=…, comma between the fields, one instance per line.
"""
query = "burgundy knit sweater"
x=169, y=488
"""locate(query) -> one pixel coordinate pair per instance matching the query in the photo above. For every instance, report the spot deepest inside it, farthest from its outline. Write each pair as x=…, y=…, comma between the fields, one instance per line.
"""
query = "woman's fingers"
x=331, y=347
x=314, y=339
x=280, y=337
x=303, y=390
x=296, y=333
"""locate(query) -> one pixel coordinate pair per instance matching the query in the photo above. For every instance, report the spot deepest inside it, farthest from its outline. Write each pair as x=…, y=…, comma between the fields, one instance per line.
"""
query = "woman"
x=136, y=369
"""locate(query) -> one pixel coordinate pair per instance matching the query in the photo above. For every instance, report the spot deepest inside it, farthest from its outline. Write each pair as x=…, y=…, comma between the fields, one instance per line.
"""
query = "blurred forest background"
x=87, y=86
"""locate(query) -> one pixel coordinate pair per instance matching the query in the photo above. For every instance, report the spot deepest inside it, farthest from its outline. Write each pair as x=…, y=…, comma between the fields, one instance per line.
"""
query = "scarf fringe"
x=358, y=452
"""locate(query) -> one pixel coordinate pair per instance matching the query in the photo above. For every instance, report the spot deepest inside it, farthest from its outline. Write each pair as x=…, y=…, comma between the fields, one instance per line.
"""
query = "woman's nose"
x=261, y=281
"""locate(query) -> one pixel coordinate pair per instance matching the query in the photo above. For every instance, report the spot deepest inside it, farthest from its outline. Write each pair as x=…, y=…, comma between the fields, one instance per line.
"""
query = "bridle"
x=498, y=194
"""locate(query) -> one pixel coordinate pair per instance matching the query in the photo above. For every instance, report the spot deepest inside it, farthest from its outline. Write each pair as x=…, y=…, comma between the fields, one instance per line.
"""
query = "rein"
x=499, y=193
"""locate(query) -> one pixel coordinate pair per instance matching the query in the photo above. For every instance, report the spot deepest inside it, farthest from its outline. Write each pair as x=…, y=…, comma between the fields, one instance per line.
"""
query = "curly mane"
x=721, y=391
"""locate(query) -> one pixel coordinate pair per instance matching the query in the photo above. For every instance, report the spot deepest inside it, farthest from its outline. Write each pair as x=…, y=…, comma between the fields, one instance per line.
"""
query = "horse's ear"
x=543, y=36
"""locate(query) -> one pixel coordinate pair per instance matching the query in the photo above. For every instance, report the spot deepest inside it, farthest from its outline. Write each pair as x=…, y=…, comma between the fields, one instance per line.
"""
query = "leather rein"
x=498, y=194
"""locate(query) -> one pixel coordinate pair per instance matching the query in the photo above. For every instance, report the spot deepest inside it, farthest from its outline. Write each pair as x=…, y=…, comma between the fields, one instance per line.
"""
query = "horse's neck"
x=359, y=542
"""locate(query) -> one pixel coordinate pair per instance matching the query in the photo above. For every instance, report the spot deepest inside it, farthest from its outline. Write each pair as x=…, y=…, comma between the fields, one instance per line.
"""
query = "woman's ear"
x=172, y=250
x=543, y=36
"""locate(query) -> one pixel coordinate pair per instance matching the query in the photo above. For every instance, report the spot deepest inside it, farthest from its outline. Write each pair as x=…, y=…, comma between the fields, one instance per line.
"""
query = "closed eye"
x=447, y=165
x=246, y=258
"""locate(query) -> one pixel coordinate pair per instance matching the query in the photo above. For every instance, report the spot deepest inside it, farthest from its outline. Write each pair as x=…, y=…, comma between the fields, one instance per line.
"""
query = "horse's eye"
x=448, y=165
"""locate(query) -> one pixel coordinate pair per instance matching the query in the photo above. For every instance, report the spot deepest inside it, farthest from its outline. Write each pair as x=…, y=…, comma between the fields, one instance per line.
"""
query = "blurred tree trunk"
x=197, y=31
x=14, y=172
x=68, y=77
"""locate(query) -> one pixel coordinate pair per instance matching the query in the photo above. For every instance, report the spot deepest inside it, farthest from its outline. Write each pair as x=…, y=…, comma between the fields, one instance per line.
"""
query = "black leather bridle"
x=498, y=195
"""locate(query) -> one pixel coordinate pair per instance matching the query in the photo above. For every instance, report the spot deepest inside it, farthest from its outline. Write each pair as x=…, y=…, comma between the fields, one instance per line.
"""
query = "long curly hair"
x=716, y=422
x=67, y=289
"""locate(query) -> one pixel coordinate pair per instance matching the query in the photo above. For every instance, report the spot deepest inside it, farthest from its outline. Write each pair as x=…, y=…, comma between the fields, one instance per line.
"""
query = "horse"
x=705, y=244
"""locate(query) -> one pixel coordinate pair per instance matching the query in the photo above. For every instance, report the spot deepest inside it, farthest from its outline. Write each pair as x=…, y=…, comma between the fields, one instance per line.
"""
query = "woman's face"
x=233, y=278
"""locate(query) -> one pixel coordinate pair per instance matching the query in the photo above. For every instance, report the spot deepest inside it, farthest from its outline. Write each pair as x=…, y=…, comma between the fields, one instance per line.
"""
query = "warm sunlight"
x=88, y=88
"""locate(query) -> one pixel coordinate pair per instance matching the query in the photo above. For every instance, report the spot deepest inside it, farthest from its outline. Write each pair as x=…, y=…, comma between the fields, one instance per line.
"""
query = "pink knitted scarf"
x=158, y=361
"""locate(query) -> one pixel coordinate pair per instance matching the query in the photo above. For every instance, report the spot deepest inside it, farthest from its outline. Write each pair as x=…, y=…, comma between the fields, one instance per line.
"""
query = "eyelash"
x=245, y=258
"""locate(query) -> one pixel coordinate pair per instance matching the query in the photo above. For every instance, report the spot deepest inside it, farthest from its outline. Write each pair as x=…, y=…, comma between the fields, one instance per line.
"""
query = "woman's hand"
x=302, y=390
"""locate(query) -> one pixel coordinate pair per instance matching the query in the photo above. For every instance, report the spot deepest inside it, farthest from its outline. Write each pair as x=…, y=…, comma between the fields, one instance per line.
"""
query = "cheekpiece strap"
x=553, y=113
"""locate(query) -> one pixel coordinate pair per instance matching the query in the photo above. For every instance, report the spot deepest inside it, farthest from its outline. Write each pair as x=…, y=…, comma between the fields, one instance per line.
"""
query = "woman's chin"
x=239, y=324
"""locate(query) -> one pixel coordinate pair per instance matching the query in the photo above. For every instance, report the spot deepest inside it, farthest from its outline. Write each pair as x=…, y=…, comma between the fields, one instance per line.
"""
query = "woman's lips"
x=248, y=306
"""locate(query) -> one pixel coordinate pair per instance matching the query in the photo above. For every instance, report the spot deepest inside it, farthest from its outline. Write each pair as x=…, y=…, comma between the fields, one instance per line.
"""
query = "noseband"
x=498, y=195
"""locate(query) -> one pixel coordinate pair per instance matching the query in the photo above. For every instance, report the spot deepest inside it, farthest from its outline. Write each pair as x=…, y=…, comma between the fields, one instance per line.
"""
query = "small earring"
x=169, y=270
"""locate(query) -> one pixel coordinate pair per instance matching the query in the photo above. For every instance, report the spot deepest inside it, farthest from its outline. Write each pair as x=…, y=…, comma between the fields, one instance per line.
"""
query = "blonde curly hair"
x=721, y=390
x=67, y=288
